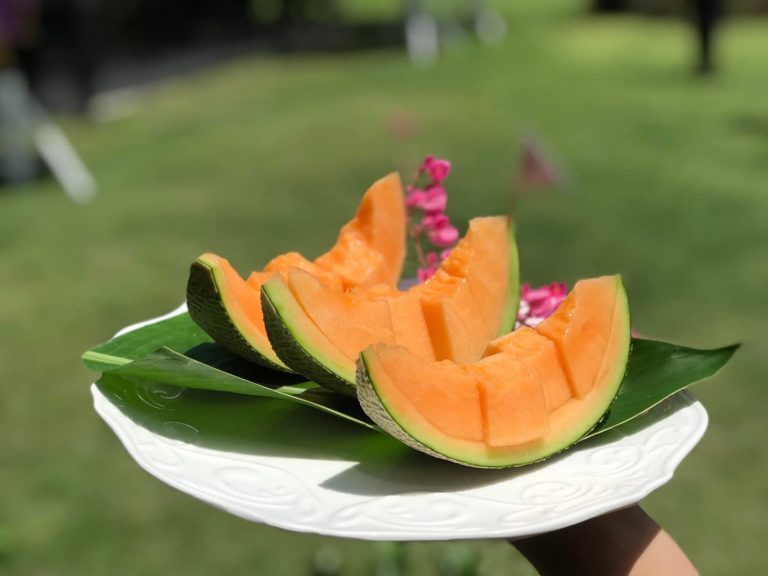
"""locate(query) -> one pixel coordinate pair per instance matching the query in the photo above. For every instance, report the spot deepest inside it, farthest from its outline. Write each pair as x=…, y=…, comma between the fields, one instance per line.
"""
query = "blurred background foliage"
x=264, y=153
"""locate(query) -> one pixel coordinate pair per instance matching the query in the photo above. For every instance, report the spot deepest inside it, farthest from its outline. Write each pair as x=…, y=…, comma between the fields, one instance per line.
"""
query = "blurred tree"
x=707, y=14
x=302, y=11
x=18, y=42
x=609, y=5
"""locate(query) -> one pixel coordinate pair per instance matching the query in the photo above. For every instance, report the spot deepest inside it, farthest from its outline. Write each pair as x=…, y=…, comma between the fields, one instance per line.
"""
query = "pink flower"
x=433, y=221
x=430, y=267
x=425, y=273
x=437, y=168
x=440, y=230
x=415, y=197
x=537, y=304
x=435, y=199
x=429, y=204
x=443, y=236
x=432, y=200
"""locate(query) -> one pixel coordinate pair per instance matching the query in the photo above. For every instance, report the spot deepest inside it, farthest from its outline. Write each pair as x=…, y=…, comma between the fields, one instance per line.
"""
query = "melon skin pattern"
x=293, y=351
x=521, y=424
x=370, y=250
x=319, y=333
x=206, y=305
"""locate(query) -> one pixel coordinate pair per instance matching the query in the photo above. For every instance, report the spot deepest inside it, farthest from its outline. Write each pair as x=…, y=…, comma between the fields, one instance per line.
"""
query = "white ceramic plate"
x=290, y=467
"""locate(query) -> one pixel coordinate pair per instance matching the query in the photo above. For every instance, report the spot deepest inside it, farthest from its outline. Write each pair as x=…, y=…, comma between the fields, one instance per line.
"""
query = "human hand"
x=626, y=542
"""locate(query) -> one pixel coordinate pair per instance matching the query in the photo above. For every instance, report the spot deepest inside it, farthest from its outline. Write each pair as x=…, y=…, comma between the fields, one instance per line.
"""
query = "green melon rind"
x=512, y=303
x=293, y=344
x=376, y=409
x=208, y=308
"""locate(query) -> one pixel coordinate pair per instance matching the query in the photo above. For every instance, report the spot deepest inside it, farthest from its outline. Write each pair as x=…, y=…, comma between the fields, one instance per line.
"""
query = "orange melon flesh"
x=439, y=319
x=409, y=325
x=447, y=303
x=289, y=260
x=353, y=260
x=525, y=400
x=540, y=354
x=512, y=414
x=370, y=250
x=577, y=329
x=447, y=334
x=331, y=311
x=279, y=264
x=382, y=222
x=451, y=408
x=478, y=260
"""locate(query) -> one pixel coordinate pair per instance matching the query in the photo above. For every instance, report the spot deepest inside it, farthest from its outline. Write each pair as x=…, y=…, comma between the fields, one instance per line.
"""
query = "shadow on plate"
x=235, y=422
x=267, y=427
x=216, y=356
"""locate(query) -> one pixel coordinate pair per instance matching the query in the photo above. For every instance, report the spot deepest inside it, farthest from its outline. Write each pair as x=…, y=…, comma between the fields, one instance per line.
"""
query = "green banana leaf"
x=176, y=353
x=656, y=371
x=178, y=332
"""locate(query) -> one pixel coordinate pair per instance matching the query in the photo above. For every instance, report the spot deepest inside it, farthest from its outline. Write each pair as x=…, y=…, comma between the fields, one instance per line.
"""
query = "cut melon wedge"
x=535, y=392
x=320, y=332
x=369, y=251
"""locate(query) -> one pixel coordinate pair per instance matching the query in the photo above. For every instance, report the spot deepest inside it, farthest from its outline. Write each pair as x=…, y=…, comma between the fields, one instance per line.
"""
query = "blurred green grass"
x=265, y=155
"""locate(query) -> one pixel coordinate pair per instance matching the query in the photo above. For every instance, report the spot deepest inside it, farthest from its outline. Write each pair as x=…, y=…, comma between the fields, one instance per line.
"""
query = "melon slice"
x=452, y=316
x=370, y=250
x=534, y=393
